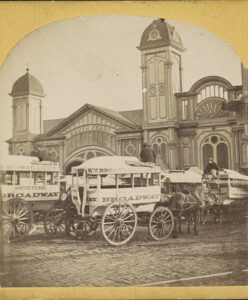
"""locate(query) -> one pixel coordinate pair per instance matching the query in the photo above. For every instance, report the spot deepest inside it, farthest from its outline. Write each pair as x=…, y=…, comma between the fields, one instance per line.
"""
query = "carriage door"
x=216, y=147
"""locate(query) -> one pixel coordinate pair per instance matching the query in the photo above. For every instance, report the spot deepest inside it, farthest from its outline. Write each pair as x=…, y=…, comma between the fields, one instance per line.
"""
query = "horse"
x=187, y=206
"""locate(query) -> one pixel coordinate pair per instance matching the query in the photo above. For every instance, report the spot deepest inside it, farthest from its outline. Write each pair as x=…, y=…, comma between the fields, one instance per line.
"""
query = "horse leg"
x=195, y=223
x=205, y=213
x=180, y=224
x=188, y=220
x=221, y=214
x=174, y=232
x=200, y=214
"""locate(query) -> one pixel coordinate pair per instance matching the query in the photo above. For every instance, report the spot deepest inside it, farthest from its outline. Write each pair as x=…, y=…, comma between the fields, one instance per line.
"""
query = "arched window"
x=216, y=147
x=159, y=146
x=212, y=90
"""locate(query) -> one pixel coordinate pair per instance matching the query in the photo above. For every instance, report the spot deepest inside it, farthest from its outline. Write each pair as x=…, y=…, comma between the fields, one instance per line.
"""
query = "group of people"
x=147, y=155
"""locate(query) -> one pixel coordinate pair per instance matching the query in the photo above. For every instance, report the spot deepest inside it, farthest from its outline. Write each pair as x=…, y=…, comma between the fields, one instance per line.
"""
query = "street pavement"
x=217, y=256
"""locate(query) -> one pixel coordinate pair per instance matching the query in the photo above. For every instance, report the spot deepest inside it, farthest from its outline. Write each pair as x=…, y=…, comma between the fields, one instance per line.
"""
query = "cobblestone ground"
x=39, y=262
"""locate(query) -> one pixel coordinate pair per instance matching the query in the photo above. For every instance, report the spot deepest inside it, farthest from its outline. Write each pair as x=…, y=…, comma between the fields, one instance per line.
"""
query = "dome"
x=160, y=33
x=27, y=85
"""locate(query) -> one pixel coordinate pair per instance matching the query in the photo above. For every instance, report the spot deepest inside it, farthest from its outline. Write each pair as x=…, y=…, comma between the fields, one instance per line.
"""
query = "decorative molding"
x=210, y=108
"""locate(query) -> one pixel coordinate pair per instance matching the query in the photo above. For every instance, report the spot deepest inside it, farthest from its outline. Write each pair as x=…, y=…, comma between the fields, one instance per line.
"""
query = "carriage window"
x=154, y=179
x=138, y=180
x=108, y=181
x=125, y=181
x=8, y=178
x=39, y=178
x=92, y=181
x=24, y=178
x=52, y=178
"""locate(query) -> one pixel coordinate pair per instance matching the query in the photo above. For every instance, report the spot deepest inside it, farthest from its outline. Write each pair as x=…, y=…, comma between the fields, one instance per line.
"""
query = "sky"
x=95, y=60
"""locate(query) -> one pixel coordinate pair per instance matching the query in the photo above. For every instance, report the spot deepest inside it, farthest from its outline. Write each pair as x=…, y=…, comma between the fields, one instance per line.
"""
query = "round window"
x=214, y=139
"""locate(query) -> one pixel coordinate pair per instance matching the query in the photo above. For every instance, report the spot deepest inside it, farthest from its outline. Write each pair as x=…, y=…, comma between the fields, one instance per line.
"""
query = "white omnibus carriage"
x=28, y=188
x=230, y=193
x=118, y=191
x=228, y=186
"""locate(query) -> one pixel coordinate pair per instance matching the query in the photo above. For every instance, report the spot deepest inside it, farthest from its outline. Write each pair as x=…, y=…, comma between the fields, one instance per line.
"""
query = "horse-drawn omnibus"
x=229, y=192
x=183, y=194
x=119, y=193
x=28, y=188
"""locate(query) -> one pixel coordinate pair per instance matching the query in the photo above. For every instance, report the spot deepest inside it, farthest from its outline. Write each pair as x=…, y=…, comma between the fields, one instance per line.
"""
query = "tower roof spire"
x=27, y=85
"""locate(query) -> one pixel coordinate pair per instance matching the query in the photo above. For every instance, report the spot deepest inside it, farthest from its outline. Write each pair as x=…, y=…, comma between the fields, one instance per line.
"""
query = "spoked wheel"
x=17, y=218
x=119, y=222
x=55, y=222
x=82, y=228
x=161, y=223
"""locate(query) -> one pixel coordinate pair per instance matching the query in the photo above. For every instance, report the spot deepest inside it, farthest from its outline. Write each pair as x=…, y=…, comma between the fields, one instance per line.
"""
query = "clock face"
x=154, y=34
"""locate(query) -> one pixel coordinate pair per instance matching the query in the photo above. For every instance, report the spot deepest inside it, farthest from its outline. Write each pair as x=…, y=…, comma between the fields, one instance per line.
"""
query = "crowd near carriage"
x=117, y=194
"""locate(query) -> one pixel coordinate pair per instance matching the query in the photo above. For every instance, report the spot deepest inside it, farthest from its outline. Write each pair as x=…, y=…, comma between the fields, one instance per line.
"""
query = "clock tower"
x=161, y=49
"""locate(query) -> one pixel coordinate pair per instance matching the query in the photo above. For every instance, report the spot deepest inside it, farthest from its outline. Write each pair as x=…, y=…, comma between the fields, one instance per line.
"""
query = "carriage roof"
x=115, y=165
x=27, y=163
x=181, y=177
x=233, y=174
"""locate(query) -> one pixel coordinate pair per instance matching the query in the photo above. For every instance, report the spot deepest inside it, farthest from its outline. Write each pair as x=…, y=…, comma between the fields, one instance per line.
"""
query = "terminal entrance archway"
x=82, y=156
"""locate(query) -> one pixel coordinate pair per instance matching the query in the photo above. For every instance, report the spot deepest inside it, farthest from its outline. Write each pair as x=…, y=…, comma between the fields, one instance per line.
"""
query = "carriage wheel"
x=17, y=218
x=161, y=223
x=82, y=227
x=119, y=222
x=55, y=222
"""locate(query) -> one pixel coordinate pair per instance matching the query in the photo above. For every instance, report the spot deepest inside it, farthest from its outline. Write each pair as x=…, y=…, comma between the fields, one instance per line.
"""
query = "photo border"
x=226, y=19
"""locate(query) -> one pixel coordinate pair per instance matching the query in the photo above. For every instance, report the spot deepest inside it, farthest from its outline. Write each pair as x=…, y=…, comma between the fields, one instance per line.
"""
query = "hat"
x=210, y=158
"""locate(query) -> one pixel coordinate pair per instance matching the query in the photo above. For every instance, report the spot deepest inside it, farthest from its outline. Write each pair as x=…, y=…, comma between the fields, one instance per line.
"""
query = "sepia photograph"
x=124, y=156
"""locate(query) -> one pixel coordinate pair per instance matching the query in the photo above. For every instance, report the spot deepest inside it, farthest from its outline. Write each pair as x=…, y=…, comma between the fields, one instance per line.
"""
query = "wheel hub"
x=161, y=223
x=14, y=220
x=119, y=222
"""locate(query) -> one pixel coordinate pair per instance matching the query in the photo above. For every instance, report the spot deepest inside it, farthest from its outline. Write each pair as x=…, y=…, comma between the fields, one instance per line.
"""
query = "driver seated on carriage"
x=211, y=169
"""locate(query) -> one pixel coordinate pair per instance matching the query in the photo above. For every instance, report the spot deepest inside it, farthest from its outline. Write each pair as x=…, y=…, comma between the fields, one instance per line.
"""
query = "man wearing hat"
x=211, y=168
x=147, y=154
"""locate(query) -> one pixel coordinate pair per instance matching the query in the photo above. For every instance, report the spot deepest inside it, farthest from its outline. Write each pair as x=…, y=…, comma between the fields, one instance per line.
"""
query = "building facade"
x=184, y=128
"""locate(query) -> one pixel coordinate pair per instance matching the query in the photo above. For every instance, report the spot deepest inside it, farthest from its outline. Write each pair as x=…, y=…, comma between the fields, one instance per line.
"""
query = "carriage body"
x=116, y=187
x=180, y=181
x=228, y=194
x=28, y=189
x=31, y=180
x=108, y=179
x=228, y=186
